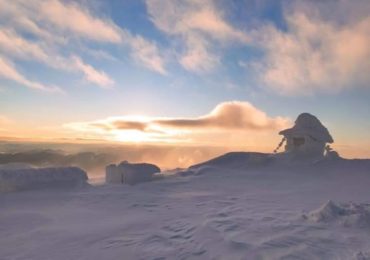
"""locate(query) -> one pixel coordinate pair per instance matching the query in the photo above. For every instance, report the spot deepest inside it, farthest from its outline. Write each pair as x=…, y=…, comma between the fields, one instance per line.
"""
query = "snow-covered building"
x=17, y=178
x=130, y=173
x=307, y=138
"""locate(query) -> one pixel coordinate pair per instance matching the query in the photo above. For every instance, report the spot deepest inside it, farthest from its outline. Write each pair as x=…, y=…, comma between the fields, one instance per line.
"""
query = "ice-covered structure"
x=35, y=178
x=130, y=173
x=307, y=138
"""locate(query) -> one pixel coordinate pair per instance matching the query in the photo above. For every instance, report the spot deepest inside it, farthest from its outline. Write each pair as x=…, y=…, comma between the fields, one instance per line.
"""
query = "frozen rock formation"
x=34, y=178
x=349, y=214
x=129, y=173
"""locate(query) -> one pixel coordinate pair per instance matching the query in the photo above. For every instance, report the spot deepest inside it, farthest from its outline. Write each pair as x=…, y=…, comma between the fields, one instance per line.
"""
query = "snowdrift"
x=237, y=160
x=35, y=178
x=345, y=214
x=278, y=162
x=15, y=166
x=362, y=256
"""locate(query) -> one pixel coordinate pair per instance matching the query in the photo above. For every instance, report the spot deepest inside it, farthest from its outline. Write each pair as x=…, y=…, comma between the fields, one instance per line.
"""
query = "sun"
x=131, y=136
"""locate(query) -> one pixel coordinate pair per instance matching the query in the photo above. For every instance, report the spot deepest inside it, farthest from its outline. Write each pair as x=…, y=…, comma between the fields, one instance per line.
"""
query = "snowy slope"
x=233, y=212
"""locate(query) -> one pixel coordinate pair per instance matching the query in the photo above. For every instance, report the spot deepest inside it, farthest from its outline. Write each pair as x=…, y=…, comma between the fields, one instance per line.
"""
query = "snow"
x=15, y=166
x=15, y=178
x=345, y=214
x=307, y=124
x=233, y=209
x=130, y=173
x=362, y=256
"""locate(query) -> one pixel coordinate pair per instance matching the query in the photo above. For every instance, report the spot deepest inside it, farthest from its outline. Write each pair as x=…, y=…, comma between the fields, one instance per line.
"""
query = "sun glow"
x=132, y=136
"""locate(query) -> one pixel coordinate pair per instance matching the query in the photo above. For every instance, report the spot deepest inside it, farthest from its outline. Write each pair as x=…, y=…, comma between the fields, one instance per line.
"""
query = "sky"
x=229, y=73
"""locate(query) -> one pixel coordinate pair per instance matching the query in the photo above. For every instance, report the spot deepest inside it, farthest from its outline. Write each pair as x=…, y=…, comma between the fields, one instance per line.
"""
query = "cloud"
x=77, y=19
x=8, y=71
x=4, y=123
x=81, y=22
x=316, y=53
x=49, y=31
x=92, y=75
x=198, y=58
x=14, y=45
x=18, y=47
x=201, y=27
x=225, y=117
x=147, y=54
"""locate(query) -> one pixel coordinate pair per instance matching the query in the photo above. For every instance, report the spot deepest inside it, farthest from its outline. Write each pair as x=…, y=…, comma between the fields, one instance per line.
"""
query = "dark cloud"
x=129, y=125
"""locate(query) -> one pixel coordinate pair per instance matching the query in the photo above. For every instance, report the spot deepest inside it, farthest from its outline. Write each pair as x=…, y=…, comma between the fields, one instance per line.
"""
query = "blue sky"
x=66, y=63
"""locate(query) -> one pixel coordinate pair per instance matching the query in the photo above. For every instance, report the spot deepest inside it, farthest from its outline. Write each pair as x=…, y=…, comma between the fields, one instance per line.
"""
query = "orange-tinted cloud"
x=315, y=54
x=225, y=117
x=228, y=115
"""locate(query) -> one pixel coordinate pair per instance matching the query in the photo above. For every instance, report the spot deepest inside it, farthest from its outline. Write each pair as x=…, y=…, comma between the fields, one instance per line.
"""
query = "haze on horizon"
x=211, y=74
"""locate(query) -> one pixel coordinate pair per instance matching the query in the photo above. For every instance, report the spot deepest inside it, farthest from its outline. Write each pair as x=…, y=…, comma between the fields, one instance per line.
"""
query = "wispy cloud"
x=8, y=71
x=200, y=25
x=146, y=53
x=316, y=53
x=76, y=19
x=14, y=45
x=18, y=47
x=57, y=26
x=81, y=22
x=92, y=75
x=225, y=117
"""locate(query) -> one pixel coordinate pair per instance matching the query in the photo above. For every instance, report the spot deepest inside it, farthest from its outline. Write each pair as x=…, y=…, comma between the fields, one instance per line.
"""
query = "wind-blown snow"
x=362, y=256
x=35, y=178
x=232, y=210
x=346, y=214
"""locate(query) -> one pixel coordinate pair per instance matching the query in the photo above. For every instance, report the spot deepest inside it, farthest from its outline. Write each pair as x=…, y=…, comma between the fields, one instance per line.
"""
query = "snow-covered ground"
x=222, y=212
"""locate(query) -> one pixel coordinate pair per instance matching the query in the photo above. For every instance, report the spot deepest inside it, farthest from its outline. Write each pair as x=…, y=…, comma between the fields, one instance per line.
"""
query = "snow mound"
x=362, y=256
x=35, y=178
x=15, y=166
x=346, y=214
x=237, y=160
x=129, y=173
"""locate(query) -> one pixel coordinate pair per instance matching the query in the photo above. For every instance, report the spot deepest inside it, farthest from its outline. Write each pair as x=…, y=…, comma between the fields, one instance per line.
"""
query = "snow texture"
x=35, y=178
x=130, y=173
x=362, y=256
x=236, y=207
x=15, y=166
x=345, y=214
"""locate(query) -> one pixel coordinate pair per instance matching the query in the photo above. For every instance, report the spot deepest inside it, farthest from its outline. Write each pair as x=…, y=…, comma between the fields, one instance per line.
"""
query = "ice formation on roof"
x=307, y=124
